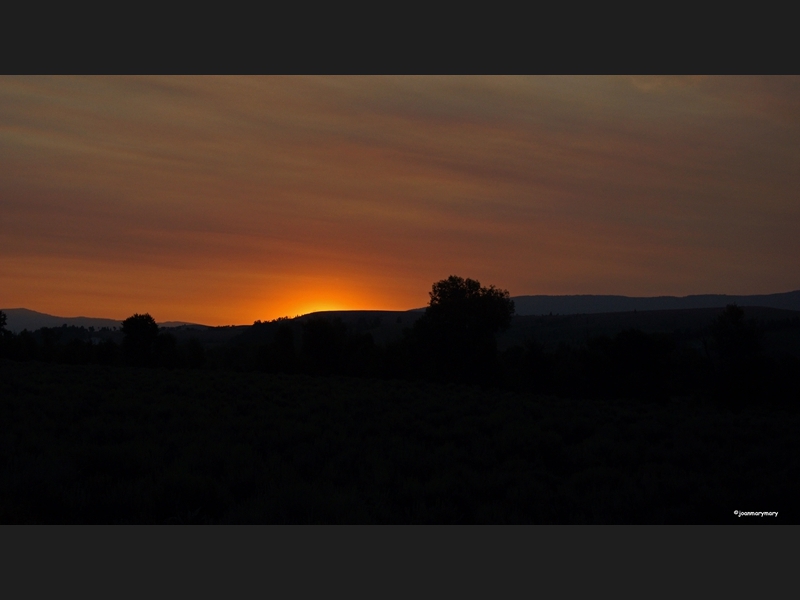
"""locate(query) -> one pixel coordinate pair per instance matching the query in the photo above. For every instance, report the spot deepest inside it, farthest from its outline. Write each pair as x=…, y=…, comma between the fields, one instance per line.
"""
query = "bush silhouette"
x=140, y=333
x=6, y=338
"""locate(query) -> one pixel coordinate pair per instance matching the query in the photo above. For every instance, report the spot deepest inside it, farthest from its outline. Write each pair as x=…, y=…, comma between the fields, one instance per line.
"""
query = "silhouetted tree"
x=25, y=346
x=455, y=339
x=465, y=304
x=5, y=337
x=140, y=333
x=737, y=345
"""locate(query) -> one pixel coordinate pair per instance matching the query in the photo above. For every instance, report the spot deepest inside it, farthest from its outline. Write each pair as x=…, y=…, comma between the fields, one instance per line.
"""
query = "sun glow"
x=312, y=307
x=320, y=295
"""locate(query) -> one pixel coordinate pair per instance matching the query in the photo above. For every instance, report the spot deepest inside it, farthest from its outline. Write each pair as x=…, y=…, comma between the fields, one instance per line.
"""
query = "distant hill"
x=574, y=329
x=591, y=304
x=23, y=318
x=180, y=324
x=389, y=324
x=383, y=325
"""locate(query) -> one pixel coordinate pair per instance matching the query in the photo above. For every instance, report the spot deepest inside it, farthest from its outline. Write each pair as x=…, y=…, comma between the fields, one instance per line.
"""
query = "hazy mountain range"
x=577, y=305
x=22, y=318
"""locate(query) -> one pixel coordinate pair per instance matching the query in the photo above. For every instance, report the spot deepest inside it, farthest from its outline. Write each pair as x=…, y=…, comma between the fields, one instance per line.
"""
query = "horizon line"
x=180, y=322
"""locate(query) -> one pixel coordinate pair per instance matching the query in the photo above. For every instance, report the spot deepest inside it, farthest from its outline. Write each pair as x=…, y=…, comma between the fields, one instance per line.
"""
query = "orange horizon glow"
x=222, y=200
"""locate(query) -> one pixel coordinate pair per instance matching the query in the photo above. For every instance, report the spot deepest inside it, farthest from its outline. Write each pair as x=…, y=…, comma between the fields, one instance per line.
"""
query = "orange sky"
x=224, y=200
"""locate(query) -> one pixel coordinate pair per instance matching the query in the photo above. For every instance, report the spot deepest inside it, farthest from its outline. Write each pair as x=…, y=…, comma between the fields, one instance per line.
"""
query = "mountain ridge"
x=593, y=303
x=25, y=318
x=526, y=305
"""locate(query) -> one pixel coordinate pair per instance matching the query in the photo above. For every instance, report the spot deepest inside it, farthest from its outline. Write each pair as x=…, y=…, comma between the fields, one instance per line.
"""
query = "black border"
x=402, y=561
x=401, y=39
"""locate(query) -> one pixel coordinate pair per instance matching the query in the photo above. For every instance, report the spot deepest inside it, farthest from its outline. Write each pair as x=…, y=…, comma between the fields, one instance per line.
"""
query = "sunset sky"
x=223, y=200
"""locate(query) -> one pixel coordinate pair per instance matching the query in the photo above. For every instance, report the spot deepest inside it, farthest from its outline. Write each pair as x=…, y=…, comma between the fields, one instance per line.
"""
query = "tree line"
x=143, y=344
x=455, y=341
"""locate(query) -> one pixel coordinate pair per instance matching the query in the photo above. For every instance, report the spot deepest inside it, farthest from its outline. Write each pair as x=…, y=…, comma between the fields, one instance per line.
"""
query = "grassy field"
x=94, y=444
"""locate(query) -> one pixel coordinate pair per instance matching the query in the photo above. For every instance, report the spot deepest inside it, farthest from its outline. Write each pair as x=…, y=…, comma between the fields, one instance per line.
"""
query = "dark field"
x=100, y=444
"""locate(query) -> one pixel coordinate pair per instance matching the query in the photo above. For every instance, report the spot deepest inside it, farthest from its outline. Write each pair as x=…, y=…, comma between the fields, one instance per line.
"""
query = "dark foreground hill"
x=593, y=304
x=94, y=444
x=388, y=326
x=548, y=330
x=684, y=324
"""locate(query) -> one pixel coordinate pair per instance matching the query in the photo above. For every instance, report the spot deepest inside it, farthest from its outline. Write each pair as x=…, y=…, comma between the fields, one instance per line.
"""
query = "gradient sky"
x=224, y=200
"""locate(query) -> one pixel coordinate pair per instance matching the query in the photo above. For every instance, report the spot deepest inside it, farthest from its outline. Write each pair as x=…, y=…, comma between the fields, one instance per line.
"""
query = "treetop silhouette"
x=141, y=332
x=464, y=302
x=455, y=338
